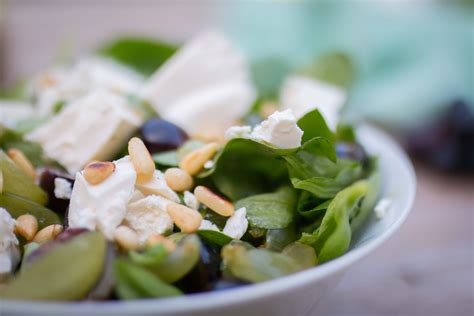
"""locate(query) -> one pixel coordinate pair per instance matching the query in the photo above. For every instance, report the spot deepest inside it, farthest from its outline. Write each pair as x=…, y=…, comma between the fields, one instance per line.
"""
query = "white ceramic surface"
x=297, y=294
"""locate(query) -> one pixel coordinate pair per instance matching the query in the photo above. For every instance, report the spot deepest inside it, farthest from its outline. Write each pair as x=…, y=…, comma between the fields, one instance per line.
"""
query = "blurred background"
x=412, y=72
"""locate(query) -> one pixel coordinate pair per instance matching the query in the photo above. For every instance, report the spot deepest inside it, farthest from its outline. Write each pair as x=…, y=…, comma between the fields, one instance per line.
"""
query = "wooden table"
x=427, y=267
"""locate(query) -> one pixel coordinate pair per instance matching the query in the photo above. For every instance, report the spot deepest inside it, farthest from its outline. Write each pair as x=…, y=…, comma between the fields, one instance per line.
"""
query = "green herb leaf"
x=142, y=54
x=277, y=239
x=167, y=158
x=314, y=125
x=134, y=282
x=13, y=139
x=303, y=254
x=311, y=207
x=76, y=265
x=214, y=237
x=270, y=210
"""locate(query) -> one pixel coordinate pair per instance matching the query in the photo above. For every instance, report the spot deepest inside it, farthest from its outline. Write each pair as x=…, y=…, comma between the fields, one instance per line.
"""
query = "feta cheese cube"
x=62, y=188
x=238, y=132
x=382, y=207
x=9, y=250
x=91, y=128
x=303, y=94
x=103, y=206
x=280, y=130
x=237, y=224
x=148, y=217
x=208, y=225
x=206, y=83
x=190, y=200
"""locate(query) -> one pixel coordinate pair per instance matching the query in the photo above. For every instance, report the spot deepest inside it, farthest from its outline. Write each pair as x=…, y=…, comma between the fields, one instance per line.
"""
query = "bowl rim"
x=245, y=294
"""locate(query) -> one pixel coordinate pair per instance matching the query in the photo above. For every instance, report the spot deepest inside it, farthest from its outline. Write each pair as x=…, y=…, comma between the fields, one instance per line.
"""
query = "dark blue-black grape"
x=46, y=182
x=351, y=151
x=160, y=135
x=206, y=272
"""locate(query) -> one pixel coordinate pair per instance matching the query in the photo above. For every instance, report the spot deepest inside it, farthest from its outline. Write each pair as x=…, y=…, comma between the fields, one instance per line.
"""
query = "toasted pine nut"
x=141, y=159
x=156, y=239
x=194, y=161
x=97, y=172
x=48, y=233
x=27, y=226
x=178, y=179
x=213, y=201
x=187, y=219
x=126, y=238
x=22, y=162
x=157, y=187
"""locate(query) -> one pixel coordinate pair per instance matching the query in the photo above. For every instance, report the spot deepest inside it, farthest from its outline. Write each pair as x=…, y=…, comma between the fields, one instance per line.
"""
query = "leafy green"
x=314, y=125
x=17, y=205
x=76, y=266
x=335, y=232
x=172, y=158
x=142, y=54
x=245, y=167
x=333, y=68
x=214, y=237
x=256, y=265
x=311, y=207
x=345, y=133
x=13, y=139
x=150, y=257
x=359, y=215
x=270, y=210
x=16, y=182
x=277, y=239
x=134, y=282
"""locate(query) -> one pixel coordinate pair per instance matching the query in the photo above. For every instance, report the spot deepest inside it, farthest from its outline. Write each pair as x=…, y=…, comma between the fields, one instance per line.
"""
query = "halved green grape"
x=17, y=205
x=76, y=267
x=182, y=260
x=17, y=182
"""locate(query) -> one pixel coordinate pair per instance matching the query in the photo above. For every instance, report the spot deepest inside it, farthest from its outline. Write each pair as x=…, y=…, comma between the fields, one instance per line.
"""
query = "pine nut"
x=159, y=239
x=157, y=187
x=126, y=238
x=48, y=233
x=97, y=172
x=141, y=160
x=194, y=161
x=27, y=226
x=178, y=179
x=216, y=203
x=187, y=219
x=22, y=162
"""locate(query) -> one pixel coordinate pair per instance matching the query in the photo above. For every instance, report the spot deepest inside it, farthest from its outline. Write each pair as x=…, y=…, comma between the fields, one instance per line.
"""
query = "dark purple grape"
x=160, y=135
x=104, y=287
x=351, y=151
x=205, y=274
x=61, y=238
x=46, y=182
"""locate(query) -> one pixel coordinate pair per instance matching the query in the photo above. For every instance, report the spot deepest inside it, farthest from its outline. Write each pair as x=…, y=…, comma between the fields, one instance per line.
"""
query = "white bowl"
x=297, y=294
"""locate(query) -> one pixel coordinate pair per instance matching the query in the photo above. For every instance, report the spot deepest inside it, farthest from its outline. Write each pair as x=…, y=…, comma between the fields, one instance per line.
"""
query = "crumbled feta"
x=190, y=200
x=62, y=188
x=70, y=83
x=382, y=207
x=303, y=94
x=148, y=216
x=209, y=164
x=238, y=132
x=136, y=195
x=91, y=128
x=208, y=225
x=158, y=186
x=237, y=224
x=9, y=251
x=280, y=130
x=103, y=206
x=205, y=79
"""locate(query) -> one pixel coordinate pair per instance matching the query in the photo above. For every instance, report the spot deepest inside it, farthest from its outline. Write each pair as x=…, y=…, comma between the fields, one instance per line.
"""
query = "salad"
x=119, y=183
